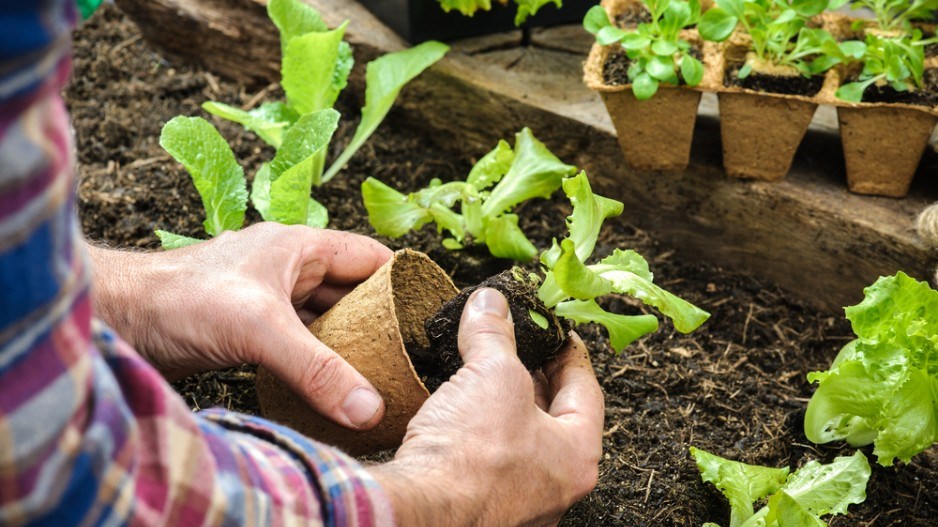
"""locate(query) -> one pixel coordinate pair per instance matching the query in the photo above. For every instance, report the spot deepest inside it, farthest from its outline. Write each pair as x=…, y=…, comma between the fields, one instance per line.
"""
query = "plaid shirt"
x=90, y=434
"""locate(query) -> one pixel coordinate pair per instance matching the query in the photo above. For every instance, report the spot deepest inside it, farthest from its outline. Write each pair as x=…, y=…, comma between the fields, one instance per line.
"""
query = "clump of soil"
x=926, y=96
x=634, y=15
x=785, y=85
x=535, y=344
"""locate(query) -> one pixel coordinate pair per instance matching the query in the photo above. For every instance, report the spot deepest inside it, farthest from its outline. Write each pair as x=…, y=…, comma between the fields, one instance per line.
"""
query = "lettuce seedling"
x=503, y=179
x=570, y=286
x=898, y=62
x=780, y=36
x=656, y=50
x=315, y=66
x=794, y=500
x=896, y=14
x=883, y=386
x=526, y=8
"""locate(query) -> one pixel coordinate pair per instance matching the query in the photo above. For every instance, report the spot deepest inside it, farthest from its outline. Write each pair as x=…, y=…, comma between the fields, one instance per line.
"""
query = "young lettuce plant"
x=503, y=179
x=794, y=500
x=898, y=62
x=316, y=63
x=526, y=8
x=883, y=387
x=570, y=286
x=781, y=40
x=656, y=50
x=893, y=15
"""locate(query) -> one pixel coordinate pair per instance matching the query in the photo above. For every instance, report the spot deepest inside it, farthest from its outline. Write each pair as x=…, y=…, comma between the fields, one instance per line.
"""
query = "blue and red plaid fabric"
x=90, y=434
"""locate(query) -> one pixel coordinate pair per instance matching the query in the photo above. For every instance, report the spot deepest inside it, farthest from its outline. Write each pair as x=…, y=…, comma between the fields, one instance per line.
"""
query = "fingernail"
x=361, y=405
x=490, y=301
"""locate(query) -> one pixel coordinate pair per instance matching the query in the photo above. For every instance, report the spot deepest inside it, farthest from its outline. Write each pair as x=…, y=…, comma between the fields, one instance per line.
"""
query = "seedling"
x=898, y=62
x=892, y=15
x=500, y=181
x=526, y=8
x=781, y=41
x=798, y=499
x=882, y=387
x=315, y=67
x=657, y=52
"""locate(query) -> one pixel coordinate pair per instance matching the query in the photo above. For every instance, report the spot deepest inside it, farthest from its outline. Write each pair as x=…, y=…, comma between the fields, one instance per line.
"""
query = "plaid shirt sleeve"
x=90, y=434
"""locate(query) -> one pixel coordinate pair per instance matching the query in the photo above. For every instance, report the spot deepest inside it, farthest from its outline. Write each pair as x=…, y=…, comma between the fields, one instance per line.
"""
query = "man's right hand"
x=496, y=445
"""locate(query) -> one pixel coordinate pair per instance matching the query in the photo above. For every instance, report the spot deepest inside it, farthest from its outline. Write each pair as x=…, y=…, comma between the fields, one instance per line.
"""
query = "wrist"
x=426, y=496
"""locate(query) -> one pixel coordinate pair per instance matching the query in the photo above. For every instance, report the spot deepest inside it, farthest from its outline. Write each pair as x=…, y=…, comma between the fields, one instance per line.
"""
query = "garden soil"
x=736, y=387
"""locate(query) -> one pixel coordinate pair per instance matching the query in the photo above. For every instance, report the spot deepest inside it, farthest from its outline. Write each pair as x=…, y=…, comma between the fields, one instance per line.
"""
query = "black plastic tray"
x=420, y=20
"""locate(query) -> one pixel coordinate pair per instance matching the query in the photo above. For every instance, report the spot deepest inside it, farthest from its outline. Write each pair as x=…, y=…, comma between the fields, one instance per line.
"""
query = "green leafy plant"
x=794, y=500
x=898, y=62
x=883, y=387
x=316, y=63
x=656, y=50
x=896, y=14
x=781, y=38
x=501, y=180
x=526, y=8
x=570, y=286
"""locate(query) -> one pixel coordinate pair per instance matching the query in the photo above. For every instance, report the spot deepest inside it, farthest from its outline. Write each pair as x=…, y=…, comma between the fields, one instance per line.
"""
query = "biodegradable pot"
x=655, y=134
x=883, y=145
x=761, y=133
x=420, y=20
x=369, y=328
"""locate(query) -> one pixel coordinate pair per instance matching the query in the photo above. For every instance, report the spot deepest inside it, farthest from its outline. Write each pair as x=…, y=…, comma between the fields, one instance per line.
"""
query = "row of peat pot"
x=761, y=131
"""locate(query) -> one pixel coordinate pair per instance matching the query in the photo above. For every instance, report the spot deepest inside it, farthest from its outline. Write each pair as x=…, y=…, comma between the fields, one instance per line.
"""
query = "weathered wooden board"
x=806, y=233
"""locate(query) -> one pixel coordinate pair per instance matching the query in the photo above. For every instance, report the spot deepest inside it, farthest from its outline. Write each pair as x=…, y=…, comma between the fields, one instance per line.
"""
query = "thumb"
x=324, y=379
x=486, y=329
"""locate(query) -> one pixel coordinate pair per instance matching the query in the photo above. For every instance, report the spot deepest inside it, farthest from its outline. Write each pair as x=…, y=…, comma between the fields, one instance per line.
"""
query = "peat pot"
x=420, y=20
x=370, y=328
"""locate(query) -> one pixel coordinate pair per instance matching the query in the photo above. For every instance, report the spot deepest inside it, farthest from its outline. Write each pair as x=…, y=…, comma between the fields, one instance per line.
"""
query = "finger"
x=485, y=329
x=541, y=390
x=326, y=381
x=575, y=393
x=340, y=257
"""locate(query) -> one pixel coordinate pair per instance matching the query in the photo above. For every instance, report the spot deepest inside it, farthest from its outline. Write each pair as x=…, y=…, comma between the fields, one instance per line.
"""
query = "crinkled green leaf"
x=831, y=488
x=171, y=241
x=308, y=138
x=492, y=167
x=535, y=173
x=527, y=8
x=308, y=70
x=385, y=77
x=617, y=269
x=218, y=177
x=584, y=223
x=882, y=387
x=741, y=483
x=785, y=511
x=623, y=329
x=391, y=213
x=269, y=121
x=294, y=18
x=575, y=278
x=466, y=7
x=506, y=240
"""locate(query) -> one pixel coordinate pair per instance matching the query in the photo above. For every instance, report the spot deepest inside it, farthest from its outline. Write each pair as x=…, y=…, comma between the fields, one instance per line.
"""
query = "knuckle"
x=322, y=374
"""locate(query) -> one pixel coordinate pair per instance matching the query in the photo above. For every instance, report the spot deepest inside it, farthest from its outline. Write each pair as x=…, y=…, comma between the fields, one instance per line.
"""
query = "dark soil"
x=536, y=345
x=796, y=85
x=634, y=15
x=736, y=387
x=927, y=96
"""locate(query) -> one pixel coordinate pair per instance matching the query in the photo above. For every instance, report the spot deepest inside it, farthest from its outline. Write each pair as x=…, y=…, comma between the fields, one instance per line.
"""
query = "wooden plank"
x=807, y=233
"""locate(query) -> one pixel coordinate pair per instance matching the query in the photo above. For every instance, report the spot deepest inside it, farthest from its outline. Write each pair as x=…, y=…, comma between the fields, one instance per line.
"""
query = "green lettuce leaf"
x=391, y=213
x=385, y=77
x=174, y=241
x=260, y=190
x=308, y=70
x=218, y=177
x=882, y=387
x=575, y=278
x=535, y=173
x=466, y=7
x=506, y=240
x=785, y=511
x=317, y=216
x=623, y=329
x=294, y=18
x=741, y=483
x=589, y=213
x=528, y=8
x=269, y=121
x=492, y=167
x=830, y=489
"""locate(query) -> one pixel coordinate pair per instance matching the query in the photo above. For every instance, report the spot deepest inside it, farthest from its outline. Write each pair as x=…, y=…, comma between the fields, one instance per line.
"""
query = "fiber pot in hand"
x=371, y=328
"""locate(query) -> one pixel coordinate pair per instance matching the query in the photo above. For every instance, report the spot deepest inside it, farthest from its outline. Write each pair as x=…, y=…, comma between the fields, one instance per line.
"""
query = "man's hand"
x=245, y=297
x=494, y=445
